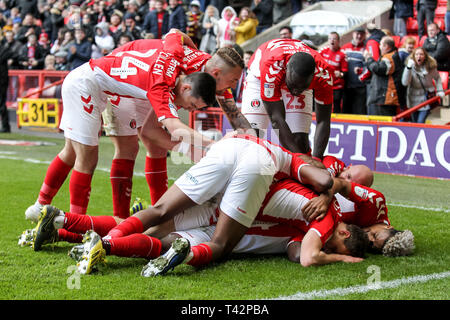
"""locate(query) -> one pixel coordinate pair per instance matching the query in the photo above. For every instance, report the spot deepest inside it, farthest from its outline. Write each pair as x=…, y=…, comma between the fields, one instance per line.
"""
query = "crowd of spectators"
x=372, y=76
x=74, y=31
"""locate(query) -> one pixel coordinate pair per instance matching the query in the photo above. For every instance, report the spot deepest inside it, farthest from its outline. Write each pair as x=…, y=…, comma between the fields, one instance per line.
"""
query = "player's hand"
x=231, y=134
x=316, y=208
x=350, y=259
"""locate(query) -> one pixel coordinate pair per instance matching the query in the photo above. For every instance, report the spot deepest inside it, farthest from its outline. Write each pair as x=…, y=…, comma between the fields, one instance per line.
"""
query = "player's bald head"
x=300, y=72
x=360, y=174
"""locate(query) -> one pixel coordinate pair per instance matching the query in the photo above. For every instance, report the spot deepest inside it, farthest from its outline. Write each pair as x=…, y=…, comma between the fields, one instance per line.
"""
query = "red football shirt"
x=269, y=62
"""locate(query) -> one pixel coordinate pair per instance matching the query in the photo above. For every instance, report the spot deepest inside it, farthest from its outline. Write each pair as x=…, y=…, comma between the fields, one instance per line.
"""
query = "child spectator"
x=246, y=28
x=225, y=29
x=210, y=28
x=194, y=17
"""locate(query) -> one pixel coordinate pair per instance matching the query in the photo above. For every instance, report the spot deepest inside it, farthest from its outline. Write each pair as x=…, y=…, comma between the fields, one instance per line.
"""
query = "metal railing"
x=419, y=106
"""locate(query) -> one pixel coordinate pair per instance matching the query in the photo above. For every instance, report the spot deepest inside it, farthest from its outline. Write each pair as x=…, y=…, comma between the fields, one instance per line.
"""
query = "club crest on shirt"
x=255, y=103
x=269, y=89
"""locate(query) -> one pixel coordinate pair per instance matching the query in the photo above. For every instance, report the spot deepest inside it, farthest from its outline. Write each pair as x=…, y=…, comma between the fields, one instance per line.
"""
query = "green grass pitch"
x=421, y=205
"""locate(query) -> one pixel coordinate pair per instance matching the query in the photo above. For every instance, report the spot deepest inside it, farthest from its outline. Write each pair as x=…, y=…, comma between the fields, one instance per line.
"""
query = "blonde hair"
x=229, y=56
x=430, y=63
x=408, y=40
x=401, y=244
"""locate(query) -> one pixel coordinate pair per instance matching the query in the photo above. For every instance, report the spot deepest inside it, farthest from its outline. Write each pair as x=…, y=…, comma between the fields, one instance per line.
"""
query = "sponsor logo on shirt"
x=269, y=89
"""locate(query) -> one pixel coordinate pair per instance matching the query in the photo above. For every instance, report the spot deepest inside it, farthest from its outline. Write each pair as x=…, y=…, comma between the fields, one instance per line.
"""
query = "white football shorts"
x=242, y=170
x=298, y=108
x=123, y=116
x=83, y=103
x=249, y=243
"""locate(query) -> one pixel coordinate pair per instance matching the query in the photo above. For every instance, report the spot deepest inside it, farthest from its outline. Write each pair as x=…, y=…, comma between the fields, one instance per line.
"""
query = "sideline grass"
x=49, y=274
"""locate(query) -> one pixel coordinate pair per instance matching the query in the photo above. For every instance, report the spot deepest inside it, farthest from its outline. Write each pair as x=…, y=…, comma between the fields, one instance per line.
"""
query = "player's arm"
x=234, y=116
x=311, y=253
x=316, y=208
x=323, y=121
x=185, y=38
x=185, y=133
x=277, y=114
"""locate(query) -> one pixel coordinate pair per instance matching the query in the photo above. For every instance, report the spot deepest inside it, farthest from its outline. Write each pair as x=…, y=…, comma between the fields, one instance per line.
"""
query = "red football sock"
x=135, y=245
x=156, y=176
x=78, y=223
x=121, y=181
x=80, y=190
x=54, y=178
x=64, y=235
x=202, y=255
x=126, y=227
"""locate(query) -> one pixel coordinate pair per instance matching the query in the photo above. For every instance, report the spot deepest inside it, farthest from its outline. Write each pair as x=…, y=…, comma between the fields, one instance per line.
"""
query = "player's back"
x=131, y=70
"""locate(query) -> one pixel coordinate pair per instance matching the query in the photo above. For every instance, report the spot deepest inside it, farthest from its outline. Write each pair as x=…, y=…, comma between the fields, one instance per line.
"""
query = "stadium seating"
x=439, y=17
x=397, y=40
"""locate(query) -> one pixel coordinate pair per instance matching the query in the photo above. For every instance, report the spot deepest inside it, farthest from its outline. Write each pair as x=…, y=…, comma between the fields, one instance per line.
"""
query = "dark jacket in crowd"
x=177, y=18
x=439, y=49
x=429, y=4
x=263, y=12
x=39, y=56
x=386, y=84
x=402, y=9
x=27, y=6
x=82, y=55
x=151, y=23
x=21, y=34
x=5, y=54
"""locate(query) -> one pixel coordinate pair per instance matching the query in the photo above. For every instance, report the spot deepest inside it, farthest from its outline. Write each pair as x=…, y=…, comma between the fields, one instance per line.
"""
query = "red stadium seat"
x=440, y=12
x=397, y=41
x=444, y=78
x=411, y=26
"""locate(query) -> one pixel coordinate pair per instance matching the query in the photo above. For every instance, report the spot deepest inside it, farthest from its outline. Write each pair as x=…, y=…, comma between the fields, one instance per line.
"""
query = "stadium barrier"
x=384, y=145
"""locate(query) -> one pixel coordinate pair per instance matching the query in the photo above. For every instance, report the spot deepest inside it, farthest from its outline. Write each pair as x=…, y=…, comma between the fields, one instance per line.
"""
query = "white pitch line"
x=418, y=207
x=36, y=161
x=365, y=288
x=7, y=155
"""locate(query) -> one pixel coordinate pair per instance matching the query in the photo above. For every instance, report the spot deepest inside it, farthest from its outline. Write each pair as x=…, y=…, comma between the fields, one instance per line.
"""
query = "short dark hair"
x=203, y=85
x=287, y=28
x=335, y=33
x=358, y=242
x=299, y=70
x=389, y=41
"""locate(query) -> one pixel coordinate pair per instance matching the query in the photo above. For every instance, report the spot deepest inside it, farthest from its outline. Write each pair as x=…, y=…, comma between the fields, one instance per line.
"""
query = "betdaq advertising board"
x=387, y=147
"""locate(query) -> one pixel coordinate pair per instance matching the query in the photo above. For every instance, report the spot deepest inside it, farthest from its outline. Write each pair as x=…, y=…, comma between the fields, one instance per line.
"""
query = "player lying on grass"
x=152, y=77
x=243, y=168
x=367, y=208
